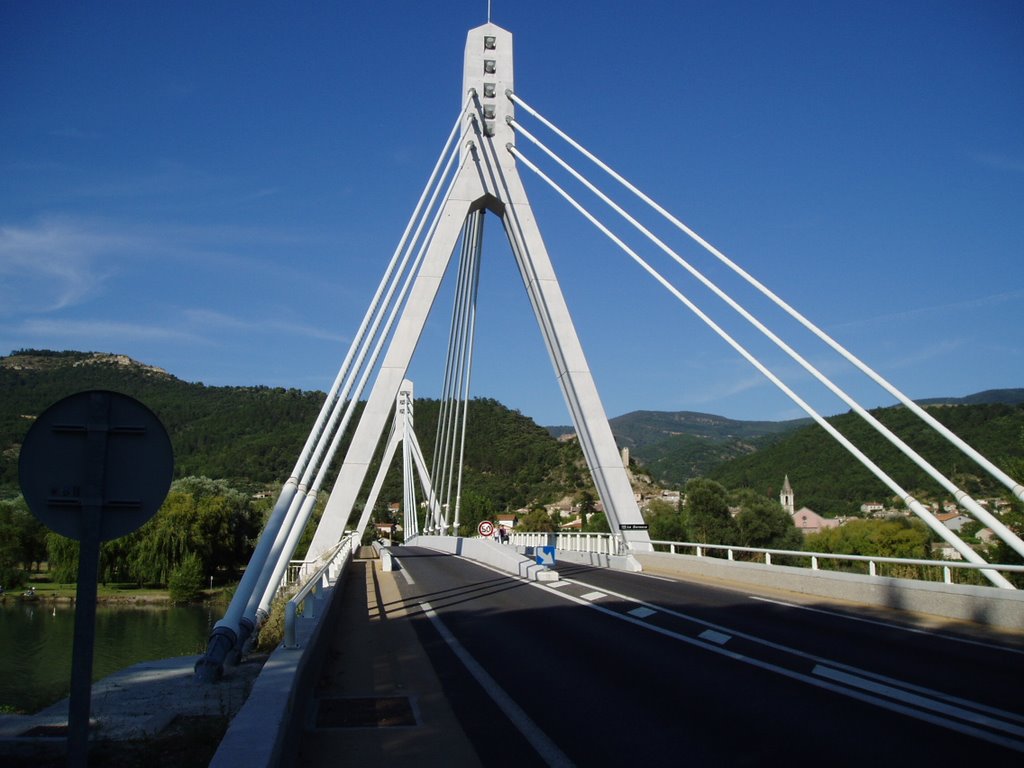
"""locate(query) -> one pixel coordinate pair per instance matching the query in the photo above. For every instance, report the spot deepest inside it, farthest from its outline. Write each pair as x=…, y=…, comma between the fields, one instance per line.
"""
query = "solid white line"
x=895, y=706
x=1011, y=716
x=405, y=574
x=852, y=693
x=915, y=700
x=878, y=623
x=539, y=740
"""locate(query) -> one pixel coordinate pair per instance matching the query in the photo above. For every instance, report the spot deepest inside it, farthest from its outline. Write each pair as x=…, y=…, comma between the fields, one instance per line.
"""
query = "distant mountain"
x=1004, y=396
x=674, y=446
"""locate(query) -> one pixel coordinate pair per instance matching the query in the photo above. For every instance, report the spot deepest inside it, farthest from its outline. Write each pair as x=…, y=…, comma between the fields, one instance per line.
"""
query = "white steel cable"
x=470, y=253
x=447, y=415
x=945, y=533
x=267, y=586
x=478, y=240
x=258, y=571
x=336, y=400
x=1015, y=487
x=983, y=515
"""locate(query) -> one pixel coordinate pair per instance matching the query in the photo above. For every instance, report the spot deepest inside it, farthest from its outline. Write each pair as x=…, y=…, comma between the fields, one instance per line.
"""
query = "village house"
x=805, y=519
x=953, y=520
x=809, y=521
x=507, y=519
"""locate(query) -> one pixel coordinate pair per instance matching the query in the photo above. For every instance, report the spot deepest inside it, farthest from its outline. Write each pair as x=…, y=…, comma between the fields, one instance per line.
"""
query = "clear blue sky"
x=215, y=187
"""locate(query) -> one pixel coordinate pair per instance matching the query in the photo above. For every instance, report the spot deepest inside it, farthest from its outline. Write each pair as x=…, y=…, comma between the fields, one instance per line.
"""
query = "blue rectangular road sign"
x=544, y=555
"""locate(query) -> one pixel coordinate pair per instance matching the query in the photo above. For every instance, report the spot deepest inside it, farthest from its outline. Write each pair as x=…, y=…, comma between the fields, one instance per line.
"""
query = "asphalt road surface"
x=610, y=668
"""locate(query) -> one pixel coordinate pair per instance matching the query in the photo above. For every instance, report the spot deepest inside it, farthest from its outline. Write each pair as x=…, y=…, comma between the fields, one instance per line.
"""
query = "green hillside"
x=251, y=436
x=676, y=446
x=830, y=481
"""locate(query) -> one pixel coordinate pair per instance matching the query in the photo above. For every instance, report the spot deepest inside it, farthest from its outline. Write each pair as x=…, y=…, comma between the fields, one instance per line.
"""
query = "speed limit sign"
x=485, y=529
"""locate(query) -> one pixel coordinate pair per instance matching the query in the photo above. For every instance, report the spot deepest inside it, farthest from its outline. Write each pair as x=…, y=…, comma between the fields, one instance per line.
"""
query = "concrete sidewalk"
x=377, y=698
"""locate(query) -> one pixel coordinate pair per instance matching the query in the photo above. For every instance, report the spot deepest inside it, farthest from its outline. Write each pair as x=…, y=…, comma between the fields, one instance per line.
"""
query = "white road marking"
x=642, y=612
x=404, y=572
x=592, y=596
x=539, y=740
x=855, y=692
x=915, y=700
x=817, y=681
x=900, y=627
x=715, y=637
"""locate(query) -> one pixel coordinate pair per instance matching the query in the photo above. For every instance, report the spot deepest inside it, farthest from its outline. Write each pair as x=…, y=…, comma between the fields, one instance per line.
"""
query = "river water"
x=36, y=641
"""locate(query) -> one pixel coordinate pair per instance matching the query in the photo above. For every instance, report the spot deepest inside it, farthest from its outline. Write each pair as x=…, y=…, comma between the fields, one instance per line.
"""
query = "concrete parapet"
x=265, y=729
x=990, y=606
x=600, y=560
x=492, y=553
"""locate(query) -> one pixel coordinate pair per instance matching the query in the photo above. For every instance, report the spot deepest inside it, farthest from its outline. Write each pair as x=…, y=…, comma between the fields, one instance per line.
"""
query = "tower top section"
x=488, y=73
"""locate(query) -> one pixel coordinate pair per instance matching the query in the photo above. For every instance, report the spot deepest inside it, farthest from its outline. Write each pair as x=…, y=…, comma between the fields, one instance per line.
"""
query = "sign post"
x=93, y=467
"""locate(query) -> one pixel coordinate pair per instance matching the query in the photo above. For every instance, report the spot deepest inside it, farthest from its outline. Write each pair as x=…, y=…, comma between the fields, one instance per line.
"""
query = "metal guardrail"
x=947, y=566
x=606, y=543
x=311, y=594
x=598, y=543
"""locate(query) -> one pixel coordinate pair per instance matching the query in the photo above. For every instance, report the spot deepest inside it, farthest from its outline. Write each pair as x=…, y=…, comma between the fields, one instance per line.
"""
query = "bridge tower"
x=787, y=498
x=488, y=181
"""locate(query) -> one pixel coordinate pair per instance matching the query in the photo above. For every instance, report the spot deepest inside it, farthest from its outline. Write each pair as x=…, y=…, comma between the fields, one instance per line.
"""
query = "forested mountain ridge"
x=252, y=436
x=674, y=447
x=829, y=480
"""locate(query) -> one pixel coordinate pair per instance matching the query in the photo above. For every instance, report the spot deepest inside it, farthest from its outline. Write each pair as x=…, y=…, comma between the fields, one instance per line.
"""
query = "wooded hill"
x=252, y=436
x=829, y=480
x=676, y=446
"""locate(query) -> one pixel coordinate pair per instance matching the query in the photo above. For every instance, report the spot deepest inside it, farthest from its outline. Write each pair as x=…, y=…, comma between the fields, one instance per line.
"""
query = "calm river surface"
x=36, y=640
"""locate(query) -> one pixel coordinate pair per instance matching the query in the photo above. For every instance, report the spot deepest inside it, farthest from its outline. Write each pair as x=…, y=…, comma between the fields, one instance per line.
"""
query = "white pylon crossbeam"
x=488, y=179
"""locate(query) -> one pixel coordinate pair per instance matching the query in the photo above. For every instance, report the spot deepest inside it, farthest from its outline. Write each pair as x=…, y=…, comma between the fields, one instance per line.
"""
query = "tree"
x=707, y=512
x=186, y=580
x=664, y=521
x=22, y=542
x=537, y=520
x=597, y=523
x=762, y=522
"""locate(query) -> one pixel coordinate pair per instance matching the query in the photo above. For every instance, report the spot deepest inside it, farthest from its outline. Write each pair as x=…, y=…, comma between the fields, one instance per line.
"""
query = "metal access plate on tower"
x=96, y=449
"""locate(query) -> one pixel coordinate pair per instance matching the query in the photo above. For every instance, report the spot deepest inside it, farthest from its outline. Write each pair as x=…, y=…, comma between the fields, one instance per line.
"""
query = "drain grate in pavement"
x=382, y=712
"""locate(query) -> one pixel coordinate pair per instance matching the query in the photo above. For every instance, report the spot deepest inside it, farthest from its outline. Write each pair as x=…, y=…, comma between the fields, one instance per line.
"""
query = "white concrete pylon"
x=402, y=431
x=488, y=179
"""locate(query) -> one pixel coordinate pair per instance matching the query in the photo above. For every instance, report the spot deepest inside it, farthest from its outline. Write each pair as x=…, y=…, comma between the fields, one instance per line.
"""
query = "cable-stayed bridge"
x=643, y=640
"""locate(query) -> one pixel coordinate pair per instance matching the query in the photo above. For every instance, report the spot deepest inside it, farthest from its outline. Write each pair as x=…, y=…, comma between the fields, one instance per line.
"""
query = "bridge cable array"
x=973, y=507
x=295, y=503
x=450, y=440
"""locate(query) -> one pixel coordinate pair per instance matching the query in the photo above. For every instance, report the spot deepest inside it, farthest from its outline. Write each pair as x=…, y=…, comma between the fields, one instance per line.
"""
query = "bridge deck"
x=378, y=698
x=611, y=666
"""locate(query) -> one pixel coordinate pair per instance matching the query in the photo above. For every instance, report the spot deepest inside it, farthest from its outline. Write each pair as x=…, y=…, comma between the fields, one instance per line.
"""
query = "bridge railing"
x=598, y=543
x=310, y=595
x=606, y=543
x=906, y=567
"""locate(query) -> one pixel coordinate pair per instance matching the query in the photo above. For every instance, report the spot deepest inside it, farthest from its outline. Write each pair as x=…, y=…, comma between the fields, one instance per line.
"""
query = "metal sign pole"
x=84, y=642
